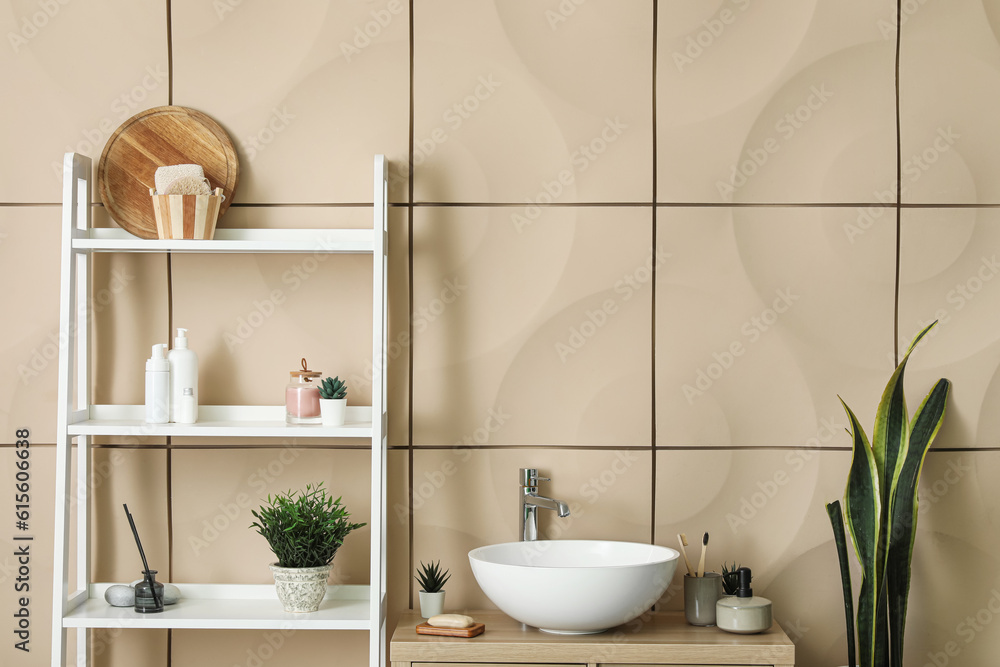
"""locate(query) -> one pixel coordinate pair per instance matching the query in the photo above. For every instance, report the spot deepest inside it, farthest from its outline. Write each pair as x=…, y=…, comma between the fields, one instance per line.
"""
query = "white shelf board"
x=237, y=421
x=232, y=606
x=234, y=241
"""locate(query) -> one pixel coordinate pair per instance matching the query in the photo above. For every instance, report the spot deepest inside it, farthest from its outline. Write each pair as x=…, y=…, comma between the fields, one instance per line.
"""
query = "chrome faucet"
x=530, y=502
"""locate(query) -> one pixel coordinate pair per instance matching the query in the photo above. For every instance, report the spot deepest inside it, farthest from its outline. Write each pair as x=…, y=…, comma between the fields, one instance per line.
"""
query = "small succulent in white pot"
x=333, y=401
x=432, y=580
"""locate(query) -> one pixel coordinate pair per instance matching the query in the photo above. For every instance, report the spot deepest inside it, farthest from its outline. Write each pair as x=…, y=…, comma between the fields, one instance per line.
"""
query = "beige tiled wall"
x=642, y=245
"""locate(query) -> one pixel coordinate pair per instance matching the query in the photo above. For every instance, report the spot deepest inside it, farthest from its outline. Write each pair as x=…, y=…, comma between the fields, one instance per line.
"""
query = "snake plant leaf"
x=863, y=507
x=837, y=521
x=924, y=428
x=892, y=423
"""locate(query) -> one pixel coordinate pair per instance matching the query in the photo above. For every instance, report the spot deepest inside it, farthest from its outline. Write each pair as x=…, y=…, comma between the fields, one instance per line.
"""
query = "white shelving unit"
x=81, y=604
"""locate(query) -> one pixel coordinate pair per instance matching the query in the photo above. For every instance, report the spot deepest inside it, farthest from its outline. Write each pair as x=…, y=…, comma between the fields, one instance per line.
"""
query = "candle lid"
x=305, y=372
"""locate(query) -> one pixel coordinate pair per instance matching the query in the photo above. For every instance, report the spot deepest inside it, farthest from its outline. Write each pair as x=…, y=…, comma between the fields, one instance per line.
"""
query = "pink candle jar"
x=302, y=397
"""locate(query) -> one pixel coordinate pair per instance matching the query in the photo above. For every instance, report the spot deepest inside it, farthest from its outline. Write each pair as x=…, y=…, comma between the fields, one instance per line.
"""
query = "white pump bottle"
x=183, y=375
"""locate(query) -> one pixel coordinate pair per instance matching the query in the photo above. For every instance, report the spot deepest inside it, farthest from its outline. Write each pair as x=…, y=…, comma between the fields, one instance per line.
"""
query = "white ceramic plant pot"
x=300, y=589
x=332, y=411
x=431, y=604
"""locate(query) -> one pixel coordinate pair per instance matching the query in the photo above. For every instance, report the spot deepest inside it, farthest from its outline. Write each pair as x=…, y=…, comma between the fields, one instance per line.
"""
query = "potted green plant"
x=332, y=401
x=304, y=530
x=730, y=578
x=431, y=580
x=880, y=504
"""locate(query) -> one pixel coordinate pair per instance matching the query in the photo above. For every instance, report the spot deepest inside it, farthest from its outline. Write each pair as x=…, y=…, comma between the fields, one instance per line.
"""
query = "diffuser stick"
x=142, y=554
x=704, y=548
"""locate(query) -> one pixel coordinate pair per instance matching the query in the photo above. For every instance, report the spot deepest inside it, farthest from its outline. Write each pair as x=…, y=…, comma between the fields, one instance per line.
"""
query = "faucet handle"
x=529, y=477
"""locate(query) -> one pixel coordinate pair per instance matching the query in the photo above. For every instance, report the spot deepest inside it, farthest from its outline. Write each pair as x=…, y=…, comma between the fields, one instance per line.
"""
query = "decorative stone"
x=120, y=595
x=171, y=594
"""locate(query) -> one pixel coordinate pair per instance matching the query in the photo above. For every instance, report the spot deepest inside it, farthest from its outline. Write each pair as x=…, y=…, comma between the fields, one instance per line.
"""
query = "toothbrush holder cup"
x=700, y=596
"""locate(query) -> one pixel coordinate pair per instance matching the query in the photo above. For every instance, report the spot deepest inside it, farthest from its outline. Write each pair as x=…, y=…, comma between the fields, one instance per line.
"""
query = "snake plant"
x=333, y=388
x=880, y=504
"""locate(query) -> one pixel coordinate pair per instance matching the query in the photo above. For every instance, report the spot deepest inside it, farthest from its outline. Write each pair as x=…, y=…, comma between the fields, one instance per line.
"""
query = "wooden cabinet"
x=659, y=639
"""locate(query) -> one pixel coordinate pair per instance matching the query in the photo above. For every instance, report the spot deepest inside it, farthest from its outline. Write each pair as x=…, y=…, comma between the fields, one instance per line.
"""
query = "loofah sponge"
x=165, y=175
x=187, y=185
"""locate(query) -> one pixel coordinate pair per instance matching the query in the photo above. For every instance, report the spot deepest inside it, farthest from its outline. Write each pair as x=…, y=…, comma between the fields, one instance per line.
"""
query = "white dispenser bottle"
x=157, y=387
x=183, y=373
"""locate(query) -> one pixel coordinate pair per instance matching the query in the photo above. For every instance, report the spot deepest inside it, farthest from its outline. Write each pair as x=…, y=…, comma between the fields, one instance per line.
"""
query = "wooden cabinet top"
x=657, y=638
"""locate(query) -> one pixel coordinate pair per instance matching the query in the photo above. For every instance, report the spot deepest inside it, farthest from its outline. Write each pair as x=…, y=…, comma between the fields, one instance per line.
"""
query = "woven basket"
x=187, y=216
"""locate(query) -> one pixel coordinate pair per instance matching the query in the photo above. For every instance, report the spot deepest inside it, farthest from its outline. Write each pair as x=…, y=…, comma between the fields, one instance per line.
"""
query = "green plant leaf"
x=837, y=521
x=304, y=528
x=431, y=578
x=863, y=507
x=925, y=426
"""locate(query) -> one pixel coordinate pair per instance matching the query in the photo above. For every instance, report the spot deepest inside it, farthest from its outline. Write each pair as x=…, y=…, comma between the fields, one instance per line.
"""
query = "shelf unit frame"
x=80, y=604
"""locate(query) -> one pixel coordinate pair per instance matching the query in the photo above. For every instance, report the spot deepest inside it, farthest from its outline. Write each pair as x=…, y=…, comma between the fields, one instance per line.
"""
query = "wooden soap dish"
x=471, y=631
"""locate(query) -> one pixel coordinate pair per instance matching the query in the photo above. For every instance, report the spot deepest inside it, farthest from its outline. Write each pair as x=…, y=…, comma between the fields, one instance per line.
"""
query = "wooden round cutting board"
x=161, y=137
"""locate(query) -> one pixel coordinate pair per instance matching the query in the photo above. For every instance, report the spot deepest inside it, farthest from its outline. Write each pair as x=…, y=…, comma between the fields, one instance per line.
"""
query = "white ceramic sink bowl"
x=573, y=586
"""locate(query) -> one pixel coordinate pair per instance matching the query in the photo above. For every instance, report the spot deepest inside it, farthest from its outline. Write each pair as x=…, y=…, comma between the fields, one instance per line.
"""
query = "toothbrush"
x=682, y=539
x=701, y=564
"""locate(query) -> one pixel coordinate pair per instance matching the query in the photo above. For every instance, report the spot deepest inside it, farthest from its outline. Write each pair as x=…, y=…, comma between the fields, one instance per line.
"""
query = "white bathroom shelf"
x=233, y=421
x=228, y=606
x=80, y=603
x=234, y=241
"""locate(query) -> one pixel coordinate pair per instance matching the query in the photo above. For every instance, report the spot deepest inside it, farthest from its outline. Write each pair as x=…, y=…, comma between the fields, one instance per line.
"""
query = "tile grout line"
x=170, y=316
x=409, y=325
x=590, y=204
x=581, y=448
x=652, y=307
x=899, y=187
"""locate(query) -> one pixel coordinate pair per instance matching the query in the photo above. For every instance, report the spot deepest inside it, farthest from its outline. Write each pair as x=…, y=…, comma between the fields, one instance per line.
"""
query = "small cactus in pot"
x=432, y=580
x=333, y=401
x=333, y=388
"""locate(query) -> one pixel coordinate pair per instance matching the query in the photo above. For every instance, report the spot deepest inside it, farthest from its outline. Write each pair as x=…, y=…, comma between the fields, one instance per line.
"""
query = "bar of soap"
x=457, y=621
